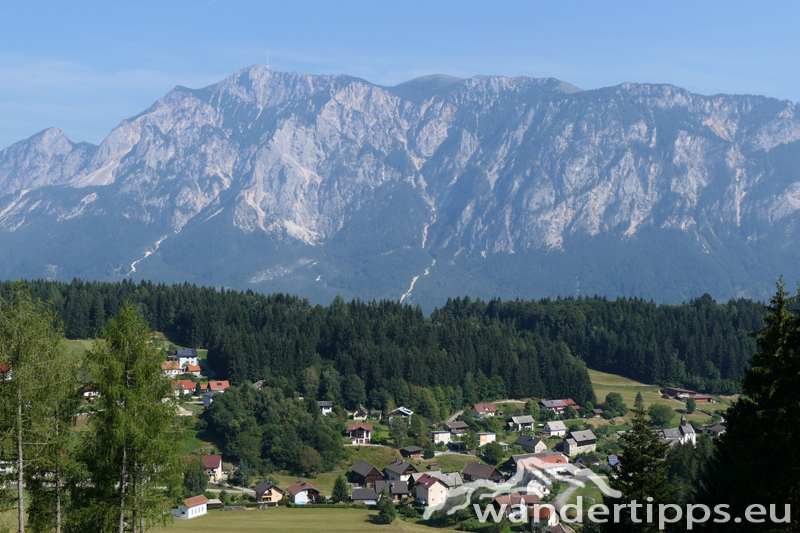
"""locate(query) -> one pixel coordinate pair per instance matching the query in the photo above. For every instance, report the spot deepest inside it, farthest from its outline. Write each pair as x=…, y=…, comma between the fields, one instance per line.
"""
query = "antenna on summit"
x=267, y=59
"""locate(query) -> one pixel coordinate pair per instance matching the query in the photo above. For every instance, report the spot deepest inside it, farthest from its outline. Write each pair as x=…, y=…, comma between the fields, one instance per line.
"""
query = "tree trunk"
x=20, y=484
x=58, y=499
x=122, y=489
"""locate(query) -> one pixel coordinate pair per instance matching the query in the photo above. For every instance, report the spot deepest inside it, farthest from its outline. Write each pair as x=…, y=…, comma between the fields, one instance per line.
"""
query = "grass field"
x=287, y=520
x=78, y=346
x=604, y=384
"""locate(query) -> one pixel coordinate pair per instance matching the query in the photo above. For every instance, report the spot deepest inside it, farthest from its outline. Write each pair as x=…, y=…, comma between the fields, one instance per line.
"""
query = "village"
x=530, y=450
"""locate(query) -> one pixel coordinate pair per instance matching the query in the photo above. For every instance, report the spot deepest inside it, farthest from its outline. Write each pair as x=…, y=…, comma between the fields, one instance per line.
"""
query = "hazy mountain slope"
x=488, y=186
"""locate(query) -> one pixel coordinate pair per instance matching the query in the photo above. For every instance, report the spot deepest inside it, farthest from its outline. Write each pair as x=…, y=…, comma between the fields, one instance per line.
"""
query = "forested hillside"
x=373, y=352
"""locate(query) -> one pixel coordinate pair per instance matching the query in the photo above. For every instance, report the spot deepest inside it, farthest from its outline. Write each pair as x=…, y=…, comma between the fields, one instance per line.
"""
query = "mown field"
x=286, y=520
x=604, y=384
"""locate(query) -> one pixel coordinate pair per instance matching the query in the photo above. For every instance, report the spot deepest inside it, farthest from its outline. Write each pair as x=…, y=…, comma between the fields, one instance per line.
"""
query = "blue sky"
x=85, y=66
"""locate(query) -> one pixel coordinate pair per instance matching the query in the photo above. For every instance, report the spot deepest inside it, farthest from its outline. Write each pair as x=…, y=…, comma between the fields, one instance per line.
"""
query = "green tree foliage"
x=131, y=452
x=195, y=479
x=614, y=402
x=493, y=453
x=643, y=474
x=661, y=415
x=341, y=492
x=691, y=405
x=399, y=431
x=386, y=510
x=638, y=403
x=36, y=387
x=686, y=465
x=756, y=461
x=242, y=474
x=310, y=461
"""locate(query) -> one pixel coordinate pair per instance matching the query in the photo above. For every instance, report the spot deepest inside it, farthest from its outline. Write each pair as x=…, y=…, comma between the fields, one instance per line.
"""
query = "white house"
x=192, y=507
x=302, y=492
x=401, y=412
x=439, y=437
x=483, y=410
x=188, y=358
x=555, y=428
x=485, y=438
x=326, y=406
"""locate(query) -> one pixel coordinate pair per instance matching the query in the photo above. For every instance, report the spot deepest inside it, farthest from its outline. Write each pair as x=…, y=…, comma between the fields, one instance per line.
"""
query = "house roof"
x=588, y=460
x=195, y=500
x=364, y=494
x=598, y=411
x=363, y=468
x=403, y=411
x=515, y=498
x=300, y=486
x=188, y=384
x=480, y=471
x=325, y=403
x=170, y=365
x=450, y=479
x=193, y=368
x=613, y=459
x=218, y=385
x=527, y=440
x=186, y=353
x=209, y=461
x=527, y=419
x=571, y=442
x=485, y=408
x=412, y=449
x=583, y=436
x=266, y=485
x=555, y=404
x=398, y=466
x=556, y=425
x=392, y=487
x=353, y=427
x=718, y=428
x=558, y=528
x=683, y=391
x=427, y=480
x=458, y=424
x=362, y=409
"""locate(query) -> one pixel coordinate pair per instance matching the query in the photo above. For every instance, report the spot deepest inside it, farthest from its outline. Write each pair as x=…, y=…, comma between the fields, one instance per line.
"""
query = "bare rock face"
x=455, y=169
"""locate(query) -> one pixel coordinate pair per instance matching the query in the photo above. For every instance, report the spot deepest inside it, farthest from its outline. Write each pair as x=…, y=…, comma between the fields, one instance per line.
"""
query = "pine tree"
x=642, y=473
x=34, y=392
x=340, y=492
x=691, y=405
x=131, y=453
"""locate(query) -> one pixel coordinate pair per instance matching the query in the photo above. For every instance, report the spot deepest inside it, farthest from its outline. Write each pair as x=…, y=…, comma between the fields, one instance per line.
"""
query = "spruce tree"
x=340, y=492
x=131, y=449
x=642, y=474
x=756, y=460
x=386, y=510
x=638, y=403
x=195, y=480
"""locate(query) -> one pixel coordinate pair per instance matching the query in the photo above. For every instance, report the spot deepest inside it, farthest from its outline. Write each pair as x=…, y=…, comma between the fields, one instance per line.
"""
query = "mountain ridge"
x=337, y=185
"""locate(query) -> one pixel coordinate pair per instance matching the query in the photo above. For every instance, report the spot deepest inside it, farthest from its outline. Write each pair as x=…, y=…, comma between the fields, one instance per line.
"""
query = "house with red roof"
x=302, y=492
x=218, y=385
x=482, y=410
x=212, y=465
x=360, y=433
x=191, y=507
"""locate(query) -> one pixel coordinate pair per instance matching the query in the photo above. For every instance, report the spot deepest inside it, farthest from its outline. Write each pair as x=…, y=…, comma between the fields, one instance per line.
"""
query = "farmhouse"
x=191, y=507
x=365, y=474
x=580, y=442
x=212, y=466
x=399, y=470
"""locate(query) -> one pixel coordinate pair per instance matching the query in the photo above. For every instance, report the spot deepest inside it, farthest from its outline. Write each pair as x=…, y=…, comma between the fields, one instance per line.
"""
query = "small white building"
x=555, y=428
x=188, y=358
x=439, y=437
x=170, y=368
x=192, y=507
x=326, y=406
x=485, y=438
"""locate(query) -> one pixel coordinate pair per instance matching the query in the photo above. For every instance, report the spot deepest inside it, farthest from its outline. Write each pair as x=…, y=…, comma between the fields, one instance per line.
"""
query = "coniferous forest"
x=470, y=350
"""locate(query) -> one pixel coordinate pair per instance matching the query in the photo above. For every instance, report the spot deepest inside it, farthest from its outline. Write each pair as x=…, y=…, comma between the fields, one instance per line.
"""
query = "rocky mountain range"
x=434, y=188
